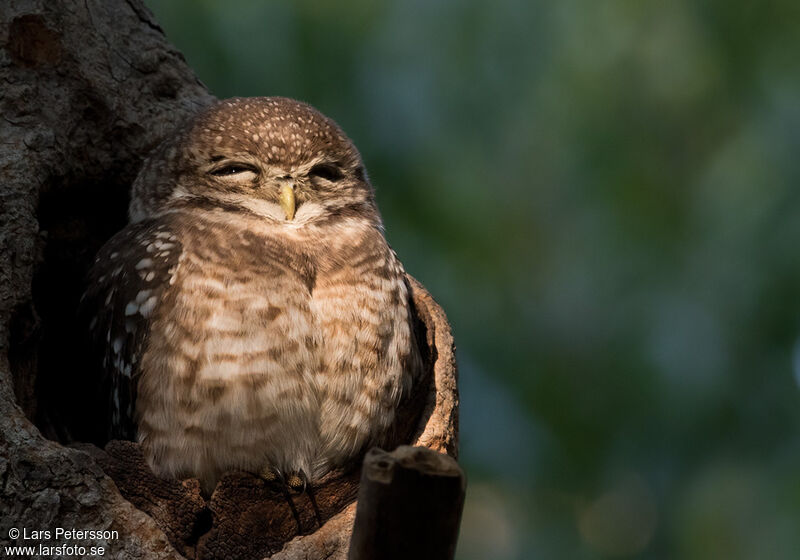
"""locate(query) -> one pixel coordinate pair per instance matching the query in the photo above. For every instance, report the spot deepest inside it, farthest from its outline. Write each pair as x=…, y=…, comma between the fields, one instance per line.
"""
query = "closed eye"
x=326, y=171
x=232, y=169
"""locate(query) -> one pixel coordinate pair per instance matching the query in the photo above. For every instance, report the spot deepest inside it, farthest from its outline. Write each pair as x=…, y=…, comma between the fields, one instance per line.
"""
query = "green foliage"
x=603, y=196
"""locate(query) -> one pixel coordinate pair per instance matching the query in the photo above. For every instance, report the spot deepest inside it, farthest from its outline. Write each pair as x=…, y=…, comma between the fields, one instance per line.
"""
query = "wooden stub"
x=409, y=506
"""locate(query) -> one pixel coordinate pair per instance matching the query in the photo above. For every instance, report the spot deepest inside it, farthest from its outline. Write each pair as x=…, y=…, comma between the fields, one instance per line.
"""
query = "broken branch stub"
x=409, y=505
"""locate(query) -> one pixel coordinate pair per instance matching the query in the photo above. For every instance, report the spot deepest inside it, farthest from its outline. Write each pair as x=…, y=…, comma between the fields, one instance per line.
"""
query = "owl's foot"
x=271, y=474
x=295, y=482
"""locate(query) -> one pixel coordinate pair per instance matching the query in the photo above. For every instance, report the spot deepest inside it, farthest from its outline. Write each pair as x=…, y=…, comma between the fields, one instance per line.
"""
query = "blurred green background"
x=605, y=198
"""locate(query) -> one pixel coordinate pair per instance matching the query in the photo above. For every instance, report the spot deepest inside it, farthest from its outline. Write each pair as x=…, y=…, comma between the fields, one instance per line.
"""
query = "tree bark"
x=409, y=506
x=87, y=89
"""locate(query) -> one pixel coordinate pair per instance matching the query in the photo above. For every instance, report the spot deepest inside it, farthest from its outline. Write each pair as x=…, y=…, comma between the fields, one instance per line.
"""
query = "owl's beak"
x=287, y=199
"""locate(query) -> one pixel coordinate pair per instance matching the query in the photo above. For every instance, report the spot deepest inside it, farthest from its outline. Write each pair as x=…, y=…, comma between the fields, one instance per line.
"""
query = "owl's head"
x=270, y=156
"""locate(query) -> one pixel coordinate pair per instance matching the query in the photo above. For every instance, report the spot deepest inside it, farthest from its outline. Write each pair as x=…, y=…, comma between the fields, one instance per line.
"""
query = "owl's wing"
x=125, y=285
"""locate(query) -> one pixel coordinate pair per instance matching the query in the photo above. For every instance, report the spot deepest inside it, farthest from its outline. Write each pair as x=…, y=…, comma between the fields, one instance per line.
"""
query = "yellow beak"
x=287, y=200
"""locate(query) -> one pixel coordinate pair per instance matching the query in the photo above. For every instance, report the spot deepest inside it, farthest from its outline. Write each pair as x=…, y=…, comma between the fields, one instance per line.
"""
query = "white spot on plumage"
x=147, y=307
x=142, y=296
x=131, y=308
x=144, y=263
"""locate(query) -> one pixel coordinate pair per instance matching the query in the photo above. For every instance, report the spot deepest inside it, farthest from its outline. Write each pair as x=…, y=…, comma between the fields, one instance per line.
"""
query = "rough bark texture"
x=87, y=89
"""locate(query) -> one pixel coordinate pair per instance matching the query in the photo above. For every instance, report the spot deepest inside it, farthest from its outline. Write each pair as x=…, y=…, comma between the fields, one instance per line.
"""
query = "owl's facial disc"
x=319, y=182
x=241, y=178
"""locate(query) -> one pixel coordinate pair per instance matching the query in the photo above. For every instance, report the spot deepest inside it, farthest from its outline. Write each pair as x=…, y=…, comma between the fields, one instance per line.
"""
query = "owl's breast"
x=229, y=368
x=370, y=358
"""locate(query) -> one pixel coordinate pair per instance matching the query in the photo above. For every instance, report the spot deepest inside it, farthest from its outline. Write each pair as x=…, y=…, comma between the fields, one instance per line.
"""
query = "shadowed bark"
x=409, y=506
x=87, y=89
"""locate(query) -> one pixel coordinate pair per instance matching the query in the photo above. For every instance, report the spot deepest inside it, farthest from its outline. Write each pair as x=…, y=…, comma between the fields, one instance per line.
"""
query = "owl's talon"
x=297, y=482
x=271, y=474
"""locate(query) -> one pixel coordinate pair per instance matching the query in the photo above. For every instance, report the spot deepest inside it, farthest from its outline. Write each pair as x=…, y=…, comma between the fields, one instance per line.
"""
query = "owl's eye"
x=326, y=171
x=233, y=169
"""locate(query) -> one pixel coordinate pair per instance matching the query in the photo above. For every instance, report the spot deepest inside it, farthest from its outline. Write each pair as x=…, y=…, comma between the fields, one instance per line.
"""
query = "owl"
x=251, y=316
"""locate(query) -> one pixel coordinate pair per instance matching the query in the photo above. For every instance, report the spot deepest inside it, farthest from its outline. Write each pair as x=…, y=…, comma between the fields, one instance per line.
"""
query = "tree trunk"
x=88, y=89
